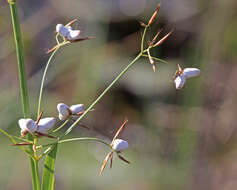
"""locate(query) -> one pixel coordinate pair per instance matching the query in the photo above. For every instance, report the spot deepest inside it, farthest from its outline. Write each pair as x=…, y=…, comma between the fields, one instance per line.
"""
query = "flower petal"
x=76, y=108
x=119, y=144
x=46, y=124
x=191, y=72
x=180, y=81
x=73, y=34
x=62, y=30
x=63, y=111
x=27, y=125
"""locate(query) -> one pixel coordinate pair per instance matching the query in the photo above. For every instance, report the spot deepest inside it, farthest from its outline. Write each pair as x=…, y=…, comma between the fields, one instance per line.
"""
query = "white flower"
x=27, y=125
x=67, y=32
x=181, y=75
x=45, y=124
x=64, y=111
x=119, y=145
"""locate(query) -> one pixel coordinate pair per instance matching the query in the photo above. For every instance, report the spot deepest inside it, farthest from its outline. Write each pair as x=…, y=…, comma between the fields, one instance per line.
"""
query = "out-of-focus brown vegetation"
x=184, y=139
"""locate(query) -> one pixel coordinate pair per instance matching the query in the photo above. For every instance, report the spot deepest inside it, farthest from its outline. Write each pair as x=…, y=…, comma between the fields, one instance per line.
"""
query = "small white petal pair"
x=64, y=111
x=184, y=74
x=67, y=32
x=119, y=145
x=29, y=125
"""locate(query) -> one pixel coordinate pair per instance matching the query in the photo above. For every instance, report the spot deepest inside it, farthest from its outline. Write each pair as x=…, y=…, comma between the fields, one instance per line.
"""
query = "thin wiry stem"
x=43, y=79
x=102, y=94
x=155, y=58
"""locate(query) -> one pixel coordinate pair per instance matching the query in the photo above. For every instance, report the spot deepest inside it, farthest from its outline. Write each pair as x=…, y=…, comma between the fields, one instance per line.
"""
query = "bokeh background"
x=184, y=139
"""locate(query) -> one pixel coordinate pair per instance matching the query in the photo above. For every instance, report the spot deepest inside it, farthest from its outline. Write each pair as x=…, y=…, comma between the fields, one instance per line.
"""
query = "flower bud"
x=191, y=72
x=27, y=125
x=76, y=108
x=180, y=81
x=46, y=124
x=119, y=145
x=63, y=111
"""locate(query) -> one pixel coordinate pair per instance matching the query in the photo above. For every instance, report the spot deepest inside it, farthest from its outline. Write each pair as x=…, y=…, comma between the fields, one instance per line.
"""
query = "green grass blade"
x=20, y=59
x=49, y=166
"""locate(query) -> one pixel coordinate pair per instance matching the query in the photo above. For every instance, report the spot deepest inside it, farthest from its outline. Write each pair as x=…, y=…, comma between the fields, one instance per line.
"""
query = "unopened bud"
x=151, y=61
x=163, y=39
x=153, y=17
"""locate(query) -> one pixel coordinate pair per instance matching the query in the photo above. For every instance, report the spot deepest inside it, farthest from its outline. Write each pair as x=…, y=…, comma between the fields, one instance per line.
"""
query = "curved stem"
x=102, y=94
x=43, y=79
x=61, y=126
x=76, y=139
x=143, y=38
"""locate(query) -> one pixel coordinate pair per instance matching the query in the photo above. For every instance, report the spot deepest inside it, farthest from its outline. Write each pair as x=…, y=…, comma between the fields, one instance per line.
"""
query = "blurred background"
x=185, y=139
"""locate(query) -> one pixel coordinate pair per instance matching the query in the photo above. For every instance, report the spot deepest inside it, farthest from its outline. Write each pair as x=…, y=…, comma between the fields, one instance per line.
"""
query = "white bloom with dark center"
x=27, y=125
x=119, y=145
x=45, y=124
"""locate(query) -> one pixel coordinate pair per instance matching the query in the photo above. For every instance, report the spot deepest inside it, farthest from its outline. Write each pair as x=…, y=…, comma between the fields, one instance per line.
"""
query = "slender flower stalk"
x=43, y=79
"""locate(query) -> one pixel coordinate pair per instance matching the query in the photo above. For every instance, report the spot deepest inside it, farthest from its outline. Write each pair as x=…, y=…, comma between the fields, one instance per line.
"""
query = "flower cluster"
x=39, y=127
x=64, y=111
x=42, y=125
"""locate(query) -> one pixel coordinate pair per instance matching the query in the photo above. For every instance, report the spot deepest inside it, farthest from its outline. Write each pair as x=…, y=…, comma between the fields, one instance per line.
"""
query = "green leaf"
x=7, y=135
x=49, y=166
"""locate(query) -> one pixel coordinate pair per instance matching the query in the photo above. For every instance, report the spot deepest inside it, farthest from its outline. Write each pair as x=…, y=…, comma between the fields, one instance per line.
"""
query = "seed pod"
x=119, y=144
x=63, y=111
x=191, y=72
x=76, y=108
x=180, y=81
x=45, y=124
x=27, y=125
